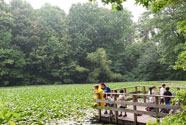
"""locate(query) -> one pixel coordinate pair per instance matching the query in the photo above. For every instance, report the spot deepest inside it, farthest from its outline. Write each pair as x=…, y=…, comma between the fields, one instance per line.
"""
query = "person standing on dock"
x=106, y=90
x=162, y=90
x=96, y=96
x=167, y=99
x=122, y=98
x=152, y=91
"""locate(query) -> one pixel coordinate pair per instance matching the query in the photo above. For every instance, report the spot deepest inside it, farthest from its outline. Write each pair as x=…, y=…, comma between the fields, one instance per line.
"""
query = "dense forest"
x=89, y=44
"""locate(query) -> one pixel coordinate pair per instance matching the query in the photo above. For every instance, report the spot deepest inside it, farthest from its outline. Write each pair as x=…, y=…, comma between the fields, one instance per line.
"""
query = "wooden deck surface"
x=130, y=116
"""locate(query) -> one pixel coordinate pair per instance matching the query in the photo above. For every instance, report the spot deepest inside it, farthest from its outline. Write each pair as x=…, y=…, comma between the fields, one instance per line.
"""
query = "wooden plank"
x=116, y=112
x=157, y=109
x=125, y=87
x=134, y=108
x=139, y=104
x=140, y=95
x=130, y=99
x=106, y=120
x=160, y=86
x=125, y=90
x=135, y=92
x=132, y=111
x=144, y=92
x=136, y=89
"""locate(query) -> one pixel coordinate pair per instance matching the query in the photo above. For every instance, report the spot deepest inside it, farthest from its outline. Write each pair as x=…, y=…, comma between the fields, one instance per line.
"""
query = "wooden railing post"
x=157, y=109
x=144, y=92
x=125, y=90
x=136, y=89
x=116, y=112
x=99, y=110
x=134, y=108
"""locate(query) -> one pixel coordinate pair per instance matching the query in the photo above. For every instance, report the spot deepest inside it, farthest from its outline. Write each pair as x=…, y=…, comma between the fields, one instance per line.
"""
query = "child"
x=162, y=90
x=111, y=98
x=152, y=98
x=152, y=92
x=97, y=90
x=122, y=98
x=167, y=99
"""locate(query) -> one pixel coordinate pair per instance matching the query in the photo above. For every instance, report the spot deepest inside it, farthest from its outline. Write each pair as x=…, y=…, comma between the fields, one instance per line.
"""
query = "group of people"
x=165, y=99
x=164, y=91
x=107, y=94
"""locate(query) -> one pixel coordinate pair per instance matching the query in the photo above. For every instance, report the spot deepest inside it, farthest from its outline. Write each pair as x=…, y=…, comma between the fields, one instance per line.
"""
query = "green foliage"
x=47, y=46
x=167, y=42
x=181, y=63
x=100, y=70
x=11, y=67
x=58, y=104
x=156, y=6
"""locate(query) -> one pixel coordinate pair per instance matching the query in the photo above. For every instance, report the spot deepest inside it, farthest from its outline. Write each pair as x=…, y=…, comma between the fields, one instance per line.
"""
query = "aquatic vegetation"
x=53, y=103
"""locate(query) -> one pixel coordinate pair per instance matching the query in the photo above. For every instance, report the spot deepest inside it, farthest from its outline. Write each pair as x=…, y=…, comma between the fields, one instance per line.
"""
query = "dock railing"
x=132, y=100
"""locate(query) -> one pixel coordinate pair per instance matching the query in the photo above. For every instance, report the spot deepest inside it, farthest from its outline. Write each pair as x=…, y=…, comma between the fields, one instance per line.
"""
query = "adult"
x=162, y=90
x=106, y=90
x=96, y=96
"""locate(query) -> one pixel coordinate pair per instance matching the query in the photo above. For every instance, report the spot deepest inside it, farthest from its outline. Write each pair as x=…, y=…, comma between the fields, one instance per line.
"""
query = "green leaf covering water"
x=54, y=103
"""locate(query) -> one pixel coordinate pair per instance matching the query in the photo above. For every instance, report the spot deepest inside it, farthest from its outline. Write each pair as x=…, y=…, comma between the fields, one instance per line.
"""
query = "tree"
x=11, y=67
x=92, y=27
x=100, y=71
x=154, y=27
x=155, y=4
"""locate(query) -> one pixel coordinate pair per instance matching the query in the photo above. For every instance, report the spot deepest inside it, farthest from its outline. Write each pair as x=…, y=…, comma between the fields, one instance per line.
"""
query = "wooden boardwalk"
x=142, y=120
x=136, y=102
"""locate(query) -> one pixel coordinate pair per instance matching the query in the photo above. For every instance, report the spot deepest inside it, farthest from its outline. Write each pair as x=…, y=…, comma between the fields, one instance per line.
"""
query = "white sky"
x=66, y=4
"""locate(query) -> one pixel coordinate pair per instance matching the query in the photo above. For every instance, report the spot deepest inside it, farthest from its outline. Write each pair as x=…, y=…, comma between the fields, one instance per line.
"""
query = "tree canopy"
x=89, y=44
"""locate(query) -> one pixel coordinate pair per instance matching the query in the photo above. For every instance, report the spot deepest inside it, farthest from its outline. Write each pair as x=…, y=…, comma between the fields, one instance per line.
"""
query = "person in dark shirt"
x=106, y=90
x=167, y=93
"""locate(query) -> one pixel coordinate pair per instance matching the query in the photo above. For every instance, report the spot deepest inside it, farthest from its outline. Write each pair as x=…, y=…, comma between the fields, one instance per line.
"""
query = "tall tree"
x=100, y=71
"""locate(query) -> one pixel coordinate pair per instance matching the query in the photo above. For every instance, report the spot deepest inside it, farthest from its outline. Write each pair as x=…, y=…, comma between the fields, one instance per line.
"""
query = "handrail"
x=139, y=104
x=161, y=86
x=148, y=86
x=135, y=94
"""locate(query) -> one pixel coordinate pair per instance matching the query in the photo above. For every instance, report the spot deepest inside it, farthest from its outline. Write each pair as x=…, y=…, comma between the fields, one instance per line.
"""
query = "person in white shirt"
x=162, y=90
x=111, y=98
x=152, y=92
x=122, y=98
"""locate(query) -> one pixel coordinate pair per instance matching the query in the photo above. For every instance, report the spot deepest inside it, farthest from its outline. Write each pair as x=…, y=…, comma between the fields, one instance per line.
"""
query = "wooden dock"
x=129, y=120
x=136, y=101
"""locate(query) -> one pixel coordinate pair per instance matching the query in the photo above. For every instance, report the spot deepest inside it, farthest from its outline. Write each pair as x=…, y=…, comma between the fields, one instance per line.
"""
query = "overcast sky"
x=66, y=4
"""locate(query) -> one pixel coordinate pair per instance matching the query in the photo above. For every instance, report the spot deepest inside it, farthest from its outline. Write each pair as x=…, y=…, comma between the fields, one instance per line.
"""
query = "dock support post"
x=157, y=109
x=134, y=108
x=116, y=112
x=99, y=110
x=144, y=92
